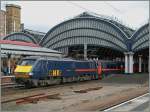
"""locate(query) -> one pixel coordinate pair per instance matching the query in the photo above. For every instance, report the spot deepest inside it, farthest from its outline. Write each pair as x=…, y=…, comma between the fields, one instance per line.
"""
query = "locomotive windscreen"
x=27, y=62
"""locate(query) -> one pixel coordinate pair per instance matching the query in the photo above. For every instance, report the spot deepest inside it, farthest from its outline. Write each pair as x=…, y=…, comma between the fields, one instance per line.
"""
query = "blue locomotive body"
x=61, y=68
x=45, y=71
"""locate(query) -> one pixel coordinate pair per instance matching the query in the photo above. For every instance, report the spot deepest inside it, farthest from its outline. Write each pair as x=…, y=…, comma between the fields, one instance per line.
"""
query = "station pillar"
x=148, y=64
x=9, y=64
x=66, y=51
x=126, y=62
x=140, y=63
x=144, y=67
x=131, y=62
x=85, y=51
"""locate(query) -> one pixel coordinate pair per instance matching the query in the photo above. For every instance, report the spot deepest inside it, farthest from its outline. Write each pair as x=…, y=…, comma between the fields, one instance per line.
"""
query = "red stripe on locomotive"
x=99, y=70
x=86, y=70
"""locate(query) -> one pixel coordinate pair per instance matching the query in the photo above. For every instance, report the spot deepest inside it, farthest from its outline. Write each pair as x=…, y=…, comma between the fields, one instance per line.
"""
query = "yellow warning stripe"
x=24, y=69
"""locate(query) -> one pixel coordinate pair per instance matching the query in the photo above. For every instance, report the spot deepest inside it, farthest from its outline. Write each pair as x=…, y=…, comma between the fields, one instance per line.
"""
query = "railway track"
x=36, y=96
x=73, y=96
x=140, y=103
x=14, y=88
x=10, y=85
x=33, y=98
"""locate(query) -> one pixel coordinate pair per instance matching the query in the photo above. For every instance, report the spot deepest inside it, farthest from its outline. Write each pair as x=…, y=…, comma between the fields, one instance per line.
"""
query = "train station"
x=89, y=36
x=99, y=55
x=92, y=36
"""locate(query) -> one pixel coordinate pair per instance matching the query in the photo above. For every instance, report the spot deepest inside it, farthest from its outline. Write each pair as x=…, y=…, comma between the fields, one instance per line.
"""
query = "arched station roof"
x=89, y=29
x=20, y=36
x=36, y=34
x=140, y=38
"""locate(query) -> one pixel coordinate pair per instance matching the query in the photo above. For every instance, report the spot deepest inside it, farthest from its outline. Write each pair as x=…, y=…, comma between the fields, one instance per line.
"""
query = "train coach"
x=38, y=71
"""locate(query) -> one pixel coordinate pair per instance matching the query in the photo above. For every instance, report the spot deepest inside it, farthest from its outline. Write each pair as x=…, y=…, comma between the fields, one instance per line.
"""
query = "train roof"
x=39, y=57
x=66, y=59
x=56, y=59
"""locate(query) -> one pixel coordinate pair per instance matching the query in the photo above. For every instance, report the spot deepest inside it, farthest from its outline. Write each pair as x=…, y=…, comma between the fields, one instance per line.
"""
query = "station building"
x=17, y=42
x=92, y=36
x=10, y=20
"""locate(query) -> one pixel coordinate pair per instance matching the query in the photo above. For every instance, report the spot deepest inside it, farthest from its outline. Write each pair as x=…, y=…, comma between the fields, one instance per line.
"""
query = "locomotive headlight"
x=30, y=73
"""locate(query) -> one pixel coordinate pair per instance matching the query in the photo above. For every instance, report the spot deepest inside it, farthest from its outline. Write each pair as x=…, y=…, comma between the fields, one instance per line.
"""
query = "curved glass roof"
x=89, y=28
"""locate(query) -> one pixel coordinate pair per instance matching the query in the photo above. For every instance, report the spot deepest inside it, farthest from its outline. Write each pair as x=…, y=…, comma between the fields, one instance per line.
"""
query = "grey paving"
x=139, y=104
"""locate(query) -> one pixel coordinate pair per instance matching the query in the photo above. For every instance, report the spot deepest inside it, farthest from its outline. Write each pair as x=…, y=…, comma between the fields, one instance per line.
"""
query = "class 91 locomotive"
x=38, y=71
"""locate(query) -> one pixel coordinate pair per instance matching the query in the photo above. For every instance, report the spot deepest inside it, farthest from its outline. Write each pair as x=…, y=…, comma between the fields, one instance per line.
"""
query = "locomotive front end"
x=23, y=71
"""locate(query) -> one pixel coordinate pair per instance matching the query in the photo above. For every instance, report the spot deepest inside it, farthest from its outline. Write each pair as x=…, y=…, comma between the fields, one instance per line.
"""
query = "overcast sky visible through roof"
x=43, y=15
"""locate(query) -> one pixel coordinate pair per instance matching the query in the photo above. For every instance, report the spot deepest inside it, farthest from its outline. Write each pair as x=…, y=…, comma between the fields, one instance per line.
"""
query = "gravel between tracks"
x=115, y=88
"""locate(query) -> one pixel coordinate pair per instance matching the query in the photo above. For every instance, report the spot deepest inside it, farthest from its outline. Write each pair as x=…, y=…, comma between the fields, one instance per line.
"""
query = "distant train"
x=38, y=71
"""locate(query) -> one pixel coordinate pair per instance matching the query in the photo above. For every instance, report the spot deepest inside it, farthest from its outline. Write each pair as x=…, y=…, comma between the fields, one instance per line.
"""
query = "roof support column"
x=9, y=64
x=148, y=64
x=131, y=62
x=126, y=63
x=85, y=51
x=66, y=50
x=140, y=63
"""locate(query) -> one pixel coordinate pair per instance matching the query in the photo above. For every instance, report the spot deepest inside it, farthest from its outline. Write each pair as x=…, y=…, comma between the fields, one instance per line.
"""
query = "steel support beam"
x=128, y=62
x=131, y=62
x=85, y=51
x=9, y=64
x=140, y=63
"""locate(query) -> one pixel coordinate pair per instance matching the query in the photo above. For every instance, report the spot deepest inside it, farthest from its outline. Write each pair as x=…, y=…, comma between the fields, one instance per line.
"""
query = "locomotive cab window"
x=27, y=62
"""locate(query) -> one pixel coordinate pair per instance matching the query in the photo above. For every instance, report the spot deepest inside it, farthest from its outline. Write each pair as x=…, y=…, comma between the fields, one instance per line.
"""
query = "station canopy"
x=24, y=48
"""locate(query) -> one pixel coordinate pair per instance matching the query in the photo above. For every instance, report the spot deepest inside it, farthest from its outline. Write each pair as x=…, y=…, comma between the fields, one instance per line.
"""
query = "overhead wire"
x=79, y=6
x=114, y=8
x=92, y=12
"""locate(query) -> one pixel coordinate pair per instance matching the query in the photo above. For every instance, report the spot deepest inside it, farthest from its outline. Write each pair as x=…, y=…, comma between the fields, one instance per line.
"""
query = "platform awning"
x=28, y=50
